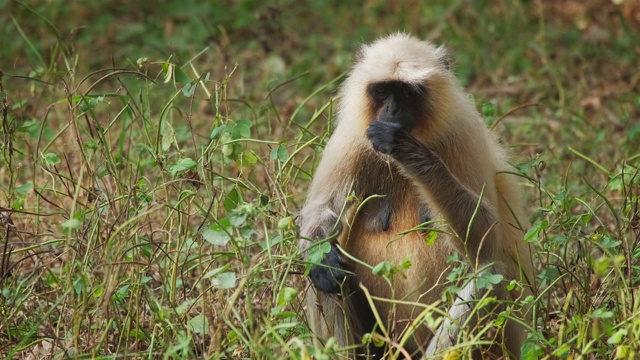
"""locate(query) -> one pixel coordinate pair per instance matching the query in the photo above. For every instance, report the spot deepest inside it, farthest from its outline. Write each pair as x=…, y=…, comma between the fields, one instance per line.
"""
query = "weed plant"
x=153, y=159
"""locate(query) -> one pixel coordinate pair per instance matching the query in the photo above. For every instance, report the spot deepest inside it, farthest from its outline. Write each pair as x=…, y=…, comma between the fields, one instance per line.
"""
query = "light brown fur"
x=454, y=134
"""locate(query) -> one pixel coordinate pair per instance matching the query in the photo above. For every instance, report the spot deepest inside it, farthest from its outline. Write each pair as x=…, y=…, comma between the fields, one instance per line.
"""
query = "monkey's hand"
x=393, y=140
x=329, y=277
x=387, y=137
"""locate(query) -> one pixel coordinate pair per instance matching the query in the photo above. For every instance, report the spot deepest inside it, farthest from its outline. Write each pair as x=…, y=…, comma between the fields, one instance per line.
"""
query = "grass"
x=154, y=157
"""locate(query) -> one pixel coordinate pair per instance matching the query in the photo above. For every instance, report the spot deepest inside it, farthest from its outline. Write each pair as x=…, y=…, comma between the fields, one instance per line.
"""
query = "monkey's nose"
x=393, y=108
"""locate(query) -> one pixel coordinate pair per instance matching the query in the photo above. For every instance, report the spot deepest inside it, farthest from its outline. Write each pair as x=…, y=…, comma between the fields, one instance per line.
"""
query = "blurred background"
x=155, y=155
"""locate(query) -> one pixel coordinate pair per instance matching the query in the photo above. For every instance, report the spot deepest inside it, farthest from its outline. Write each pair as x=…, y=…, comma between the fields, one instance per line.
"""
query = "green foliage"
x=154, y=156
x=486, y=280
x=316, y=253
x=388, y=270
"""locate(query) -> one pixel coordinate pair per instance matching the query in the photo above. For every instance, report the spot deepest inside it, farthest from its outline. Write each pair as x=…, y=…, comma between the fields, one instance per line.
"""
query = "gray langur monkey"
x=410, y=147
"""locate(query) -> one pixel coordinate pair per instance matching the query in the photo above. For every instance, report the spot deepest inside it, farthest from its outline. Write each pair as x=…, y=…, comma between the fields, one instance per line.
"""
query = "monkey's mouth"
x=405, y=118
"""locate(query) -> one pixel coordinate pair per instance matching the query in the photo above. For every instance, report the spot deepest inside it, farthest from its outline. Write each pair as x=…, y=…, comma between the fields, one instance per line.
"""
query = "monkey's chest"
x=388, y=205
x=389, y=214
x=387, y=223
x=387, y=227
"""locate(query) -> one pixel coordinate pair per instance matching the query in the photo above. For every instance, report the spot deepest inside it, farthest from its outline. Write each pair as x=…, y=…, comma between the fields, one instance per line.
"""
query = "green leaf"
x=122, y=292
x=245, y=132
x=286, y=223
x=23, y=189
x=31, y=127
x=286, y=295
x=51, y=159
x=530, y=350
x=405, y=264
x=535, y=230
x=233, y=130
x=625, y=352
x=90, y=102
x=71, y=224
x=182, y=165
x=249, y=158
x=91, y=144
x=215, y=134
x=168, y=136
x=237, y=218
x=189, y=88
x=78, y=285
x=215, y=235
x=185, y=306
x=601, y=313
x=488, y=109
x=486, y=280
x=134, y=334
x=168, y=69
x=316, y=253
x=601, y=265
x=561, y=196
x=502, y=317
x=227, y=150
x=383, y=268
x=377, y=341
x=97, y=291
x=617, y=336
x=549, y=273
x=431, y=237
x=286, y=314
x=232, y=200
x=281, y=153
x=18, y=203
x=216, y=271
x=244, y=128
x=199, y=324
x=181, y=76
x=226, y=280
x=264, y=200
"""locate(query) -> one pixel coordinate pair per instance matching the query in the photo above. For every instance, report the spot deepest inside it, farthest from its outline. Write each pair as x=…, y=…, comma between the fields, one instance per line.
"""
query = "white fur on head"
x=400, y=57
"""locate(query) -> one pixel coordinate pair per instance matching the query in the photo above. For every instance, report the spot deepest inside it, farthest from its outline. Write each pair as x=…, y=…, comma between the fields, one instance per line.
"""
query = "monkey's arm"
x=320, y=216
x=456, y=202
x=318, y=224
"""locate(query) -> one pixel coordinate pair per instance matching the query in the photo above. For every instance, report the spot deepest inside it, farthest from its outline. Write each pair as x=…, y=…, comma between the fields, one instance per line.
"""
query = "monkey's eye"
x=380, y=93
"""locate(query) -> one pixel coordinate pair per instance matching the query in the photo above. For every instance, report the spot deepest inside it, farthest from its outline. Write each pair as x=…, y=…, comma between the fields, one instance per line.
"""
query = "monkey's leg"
x=464, y=314
x=332, y=316
x=447, y=333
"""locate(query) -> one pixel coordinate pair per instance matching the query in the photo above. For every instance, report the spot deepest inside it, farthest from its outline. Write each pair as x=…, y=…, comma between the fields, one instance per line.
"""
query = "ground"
x=155, y=155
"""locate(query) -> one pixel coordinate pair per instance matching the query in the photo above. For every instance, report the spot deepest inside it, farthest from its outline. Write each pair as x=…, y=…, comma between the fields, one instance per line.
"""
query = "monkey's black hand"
x=386, y=137
x=330, y=277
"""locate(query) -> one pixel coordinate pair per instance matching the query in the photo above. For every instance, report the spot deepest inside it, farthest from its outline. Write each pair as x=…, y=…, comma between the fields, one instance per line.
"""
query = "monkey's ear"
x=443, y=56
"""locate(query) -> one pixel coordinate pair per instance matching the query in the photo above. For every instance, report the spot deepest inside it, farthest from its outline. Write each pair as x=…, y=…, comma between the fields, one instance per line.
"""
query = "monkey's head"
x=402, y=80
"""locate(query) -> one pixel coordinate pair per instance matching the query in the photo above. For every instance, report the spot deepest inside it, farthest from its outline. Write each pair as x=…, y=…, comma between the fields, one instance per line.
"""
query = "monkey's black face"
x=397, y=102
